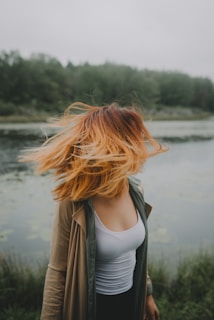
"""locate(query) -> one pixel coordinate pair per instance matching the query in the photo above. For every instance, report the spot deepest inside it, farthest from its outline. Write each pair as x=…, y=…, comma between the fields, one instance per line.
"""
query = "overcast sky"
x=154, y=34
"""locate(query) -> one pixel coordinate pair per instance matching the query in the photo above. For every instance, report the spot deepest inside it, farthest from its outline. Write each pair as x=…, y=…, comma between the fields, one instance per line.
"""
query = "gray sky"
x=153, y=34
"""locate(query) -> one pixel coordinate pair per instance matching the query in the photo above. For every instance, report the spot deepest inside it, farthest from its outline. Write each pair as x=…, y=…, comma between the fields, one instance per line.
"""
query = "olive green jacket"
x=69, y=291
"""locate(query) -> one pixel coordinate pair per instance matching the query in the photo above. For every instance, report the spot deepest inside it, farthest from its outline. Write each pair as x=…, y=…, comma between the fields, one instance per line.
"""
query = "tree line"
x=41, y=83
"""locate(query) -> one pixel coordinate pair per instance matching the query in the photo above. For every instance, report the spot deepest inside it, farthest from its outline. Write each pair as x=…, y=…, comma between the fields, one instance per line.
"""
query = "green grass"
x=188, y=295
x=21, y=289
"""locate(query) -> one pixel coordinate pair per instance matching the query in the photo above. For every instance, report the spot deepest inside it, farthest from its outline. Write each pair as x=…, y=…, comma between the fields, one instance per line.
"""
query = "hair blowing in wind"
x=95, y=152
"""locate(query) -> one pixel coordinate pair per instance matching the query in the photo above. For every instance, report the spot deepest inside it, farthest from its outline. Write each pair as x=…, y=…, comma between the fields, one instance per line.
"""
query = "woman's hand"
x=152, y=312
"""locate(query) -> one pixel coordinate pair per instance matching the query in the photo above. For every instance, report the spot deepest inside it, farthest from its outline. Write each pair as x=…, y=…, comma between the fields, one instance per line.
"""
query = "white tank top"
x=116, y=256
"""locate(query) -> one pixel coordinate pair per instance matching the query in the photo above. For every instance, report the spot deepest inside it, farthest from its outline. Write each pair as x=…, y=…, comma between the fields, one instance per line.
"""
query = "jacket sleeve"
x=148, y=209
x=53, y=295
x=149, y=285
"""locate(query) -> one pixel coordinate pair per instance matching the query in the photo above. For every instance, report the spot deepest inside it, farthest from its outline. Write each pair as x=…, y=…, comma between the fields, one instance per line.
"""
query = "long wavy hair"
x=95, y=151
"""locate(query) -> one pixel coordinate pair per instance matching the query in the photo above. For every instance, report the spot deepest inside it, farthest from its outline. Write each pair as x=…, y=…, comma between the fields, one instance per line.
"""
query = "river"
x=179, y=184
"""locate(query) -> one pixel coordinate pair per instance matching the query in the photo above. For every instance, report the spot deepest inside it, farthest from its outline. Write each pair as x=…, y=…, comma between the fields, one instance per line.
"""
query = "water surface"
x=179, y=184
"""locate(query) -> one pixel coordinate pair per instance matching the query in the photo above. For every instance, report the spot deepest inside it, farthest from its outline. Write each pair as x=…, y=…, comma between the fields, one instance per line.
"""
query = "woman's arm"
x=54, y=287
x=152, y=312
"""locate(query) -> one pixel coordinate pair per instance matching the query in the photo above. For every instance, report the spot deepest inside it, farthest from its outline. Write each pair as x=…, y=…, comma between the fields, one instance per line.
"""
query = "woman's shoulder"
x=136, y=183
x=67, y=208
x=137, y=186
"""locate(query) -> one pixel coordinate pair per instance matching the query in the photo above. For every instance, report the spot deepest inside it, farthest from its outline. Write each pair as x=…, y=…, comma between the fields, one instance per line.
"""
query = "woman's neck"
x=111, y=201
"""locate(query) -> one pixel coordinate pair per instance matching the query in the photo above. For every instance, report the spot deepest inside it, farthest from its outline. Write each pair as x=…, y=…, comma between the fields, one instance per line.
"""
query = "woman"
x=98, y=260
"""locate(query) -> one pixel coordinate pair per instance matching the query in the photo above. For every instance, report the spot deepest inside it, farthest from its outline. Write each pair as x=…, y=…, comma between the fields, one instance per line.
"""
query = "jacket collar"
x=79, y=215
x=81, y=209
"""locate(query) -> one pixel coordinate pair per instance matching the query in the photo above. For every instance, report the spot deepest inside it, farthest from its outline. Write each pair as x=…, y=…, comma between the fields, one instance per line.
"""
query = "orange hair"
x=95, y=152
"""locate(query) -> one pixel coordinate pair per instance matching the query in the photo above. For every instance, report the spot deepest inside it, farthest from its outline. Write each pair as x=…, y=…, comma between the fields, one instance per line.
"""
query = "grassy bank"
x=24, y=118
x=154, y=113
x=186, y=296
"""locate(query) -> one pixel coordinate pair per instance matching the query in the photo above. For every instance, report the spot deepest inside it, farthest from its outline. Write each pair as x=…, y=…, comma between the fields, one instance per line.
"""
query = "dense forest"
x=42, y=84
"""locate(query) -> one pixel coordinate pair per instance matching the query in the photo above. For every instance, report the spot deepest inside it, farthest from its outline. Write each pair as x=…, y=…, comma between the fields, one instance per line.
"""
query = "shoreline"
x=152, y=114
